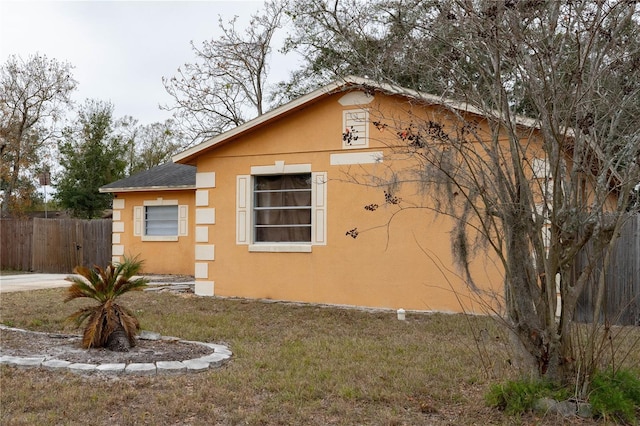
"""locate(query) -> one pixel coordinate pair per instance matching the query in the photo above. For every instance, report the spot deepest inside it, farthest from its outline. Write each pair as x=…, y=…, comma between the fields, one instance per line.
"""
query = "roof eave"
x=188, y=155
x=147, y=188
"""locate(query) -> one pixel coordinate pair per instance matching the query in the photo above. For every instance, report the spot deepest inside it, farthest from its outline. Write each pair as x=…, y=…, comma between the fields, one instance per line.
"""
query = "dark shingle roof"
x=165, y=176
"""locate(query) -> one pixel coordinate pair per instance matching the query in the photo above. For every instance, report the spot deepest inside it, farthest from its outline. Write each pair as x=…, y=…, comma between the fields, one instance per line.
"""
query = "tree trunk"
x=118, y=341
x=538, y=345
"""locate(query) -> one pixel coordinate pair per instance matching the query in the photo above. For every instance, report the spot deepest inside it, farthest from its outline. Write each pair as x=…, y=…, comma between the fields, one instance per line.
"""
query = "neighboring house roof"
x=169, y=176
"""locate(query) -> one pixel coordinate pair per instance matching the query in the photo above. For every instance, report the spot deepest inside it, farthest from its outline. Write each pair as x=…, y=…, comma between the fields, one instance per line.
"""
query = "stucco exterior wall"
x=160, y=257
x=397, y=261
x=401, y=256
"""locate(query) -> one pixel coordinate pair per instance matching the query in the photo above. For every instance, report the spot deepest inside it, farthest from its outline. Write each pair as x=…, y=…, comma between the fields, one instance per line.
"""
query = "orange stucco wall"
x=405, y=263
x=400, y=258
x=160, y=257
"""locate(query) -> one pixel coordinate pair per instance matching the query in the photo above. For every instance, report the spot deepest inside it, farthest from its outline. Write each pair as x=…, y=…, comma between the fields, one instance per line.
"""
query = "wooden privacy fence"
x=54, y=245
x=622, y=280
x=15, y=244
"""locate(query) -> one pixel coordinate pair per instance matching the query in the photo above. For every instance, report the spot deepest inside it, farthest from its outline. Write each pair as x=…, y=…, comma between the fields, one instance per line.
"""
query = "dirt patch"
x=159, y=279
x=67, y=347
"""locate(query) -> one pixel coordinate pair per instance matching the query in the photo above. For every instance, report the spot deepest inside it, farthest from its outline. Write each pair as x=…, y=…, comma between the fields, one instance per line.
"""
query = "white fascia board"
x=436, y=100
x=257, y=121
x=146, y=188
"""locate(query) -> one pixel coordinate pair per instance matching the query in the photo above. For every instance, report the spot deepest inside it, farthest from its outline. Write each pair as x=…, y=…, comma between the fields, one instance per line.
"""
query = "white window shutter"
x=243, y=209
x=183, y=220
x=319, y=216
x=138, y=220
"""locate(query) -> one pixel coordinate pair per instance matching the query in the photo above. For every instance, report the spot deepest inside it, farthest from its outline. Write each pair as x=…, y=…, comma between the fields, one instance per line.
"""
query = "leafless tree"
x=154, y=144
x=535, y=191
x=227, y=82
x=33, y=96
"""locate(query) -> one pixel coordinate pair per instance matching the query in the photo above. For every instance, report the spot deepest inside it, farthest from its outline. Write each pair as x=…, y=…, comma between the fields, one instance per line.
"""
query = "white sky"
x=122, y=49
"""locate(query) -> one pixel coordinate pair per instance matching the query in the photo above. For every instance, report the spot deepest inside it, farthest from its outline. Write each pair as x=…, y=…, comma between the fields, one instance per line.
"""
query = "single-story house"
x=269, y=208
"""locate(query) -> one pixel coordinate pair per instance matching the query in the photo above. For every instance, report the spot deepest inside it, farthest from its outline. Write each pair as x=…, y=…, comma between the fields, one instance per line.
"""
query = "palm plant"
x=109, y=325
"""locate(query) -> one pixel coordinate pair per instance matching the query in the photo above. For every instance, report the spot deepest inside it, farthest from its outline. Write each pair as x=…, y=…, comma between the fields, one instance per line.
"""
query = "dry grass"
x=292, y=365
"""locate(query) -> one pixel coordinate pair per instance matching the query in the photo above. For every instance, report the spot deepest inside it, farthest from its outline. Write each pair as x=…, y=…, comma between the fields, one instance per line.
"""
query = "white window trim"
x=279, y=168
x=280, y=247
x=350, y=158
x=244, y=209
x=138, y=220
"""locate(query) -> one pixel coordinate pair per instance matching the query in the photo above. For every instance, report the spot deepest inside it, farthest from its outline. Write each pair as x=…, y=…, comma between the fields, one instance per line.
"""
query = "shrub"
x=108, y=323
x=517, y=397
x=615, y=395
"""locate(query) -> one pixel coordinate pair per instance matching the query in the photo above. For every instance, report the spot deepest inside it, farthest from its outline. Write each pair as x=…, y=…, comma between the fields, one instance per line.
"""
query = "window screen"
x=282, y=208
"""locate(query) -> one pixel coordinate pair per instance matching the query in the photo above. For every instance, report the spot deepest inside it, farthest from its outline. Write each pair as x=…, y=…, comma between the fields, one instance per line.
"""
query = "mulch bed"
x=67, y=347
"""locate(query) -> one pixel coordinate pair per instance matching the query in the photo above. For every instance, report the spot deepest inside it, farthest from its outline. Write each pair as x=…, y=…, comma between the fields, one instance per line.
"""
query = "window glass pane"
x=161, y=220
x=283, y=217
x=286, y=235
x=282, y=208
x=283, y=198
x=275, y=182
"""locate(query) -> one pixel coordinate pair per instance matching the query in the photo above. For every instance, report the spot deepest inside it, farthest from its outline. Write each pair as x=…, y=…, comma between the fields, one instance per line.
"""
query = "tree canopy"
x=34, y=94
x=92, y=154
x=149, y=145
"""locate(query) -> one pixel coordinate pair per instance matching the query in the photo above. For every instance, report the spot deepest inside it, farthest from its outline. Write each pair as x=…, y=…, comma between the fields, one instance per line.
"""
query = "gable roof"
x=166, y=177
x=190, y=154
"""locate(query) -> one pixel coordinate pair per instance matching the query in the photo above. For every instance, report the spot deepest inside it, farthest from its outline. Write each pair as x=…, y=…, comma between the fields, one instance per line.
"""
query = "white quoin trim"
x=202, y=234
x=201, y=270
x=205, y=252
x=202, y=197
x=205, y=288
x=206, y=180
x=206, y=216
x=118, y=203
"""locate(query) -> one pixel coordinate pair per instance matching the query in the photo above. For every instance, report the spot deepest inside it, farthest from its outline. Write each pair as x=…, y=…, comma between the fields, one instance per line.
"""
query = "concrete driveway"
x=23, y=282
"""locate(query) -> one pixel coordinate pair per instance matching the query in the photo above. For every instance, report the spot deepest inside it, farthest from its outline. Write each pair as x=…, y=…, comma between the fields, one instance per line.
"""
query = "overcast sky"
x=121, y=49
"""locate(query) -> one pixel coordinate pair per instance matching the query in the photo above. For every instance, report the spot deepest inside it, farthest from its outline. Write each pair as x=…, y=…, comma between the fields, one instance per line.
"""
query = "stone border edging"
x=217, y=358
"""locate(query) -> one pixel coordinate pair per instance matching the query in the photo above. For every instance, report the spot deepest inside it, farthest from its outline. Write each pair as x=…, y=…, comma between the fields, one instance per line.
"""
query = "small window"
x=161, y=220
x=282, y=208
